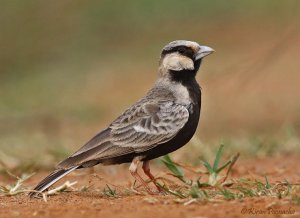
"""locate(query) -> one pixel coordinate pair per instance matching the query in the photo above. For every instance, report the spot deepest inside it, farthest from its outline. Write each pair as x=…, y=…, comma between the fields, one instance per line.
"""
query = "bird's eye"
x=181, y=50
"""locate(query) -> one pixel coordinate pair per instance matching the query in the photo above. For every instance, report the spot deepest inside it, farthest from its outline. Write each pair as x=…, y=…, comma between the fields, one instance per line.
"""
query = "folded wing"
x=138, y=129
x=152, y=124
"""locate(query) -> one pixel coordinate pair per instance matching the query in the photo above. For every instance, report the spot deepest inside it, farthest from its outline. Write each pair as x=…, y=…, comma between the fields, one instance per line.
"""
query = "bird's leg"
x=146, y=168
x=133, y=170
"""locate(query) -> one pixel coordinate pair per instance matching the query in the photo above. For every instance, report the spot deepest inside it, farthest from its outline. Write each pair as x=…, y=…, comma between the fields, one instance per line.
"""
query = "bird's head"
x=182, y=56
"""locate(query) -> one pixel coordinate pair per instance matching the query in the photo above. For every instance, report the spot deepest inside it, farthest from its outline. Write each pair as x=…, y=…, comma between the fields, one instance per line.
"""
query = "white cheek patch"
x=177, y=62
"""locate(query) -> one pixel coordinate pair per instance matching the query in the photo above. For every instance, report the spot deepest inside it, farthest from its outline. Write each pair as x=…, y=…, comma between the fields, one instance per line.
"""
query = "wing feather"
x=140, y=128
x=154, y=124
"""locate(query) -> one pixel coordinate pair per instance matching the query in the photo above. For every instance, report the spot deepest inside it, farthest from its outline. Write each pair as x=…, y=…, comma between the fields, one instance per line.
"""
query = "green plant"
x=214, y=170
x=176, y=171
x=228, y=195
x=194, y=188
x=109, y=192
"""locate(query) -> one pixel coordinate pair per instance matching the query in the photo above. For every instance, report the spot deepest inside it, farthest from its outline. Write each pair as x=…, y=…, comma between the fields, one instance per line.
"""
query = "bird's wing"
x=149, y=124
x=139, y=128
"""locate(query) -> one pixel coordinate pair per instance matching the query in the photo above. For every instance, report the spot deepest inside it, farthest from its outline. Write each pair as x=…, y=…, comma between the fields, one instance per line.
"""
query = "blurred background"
x=67, y=68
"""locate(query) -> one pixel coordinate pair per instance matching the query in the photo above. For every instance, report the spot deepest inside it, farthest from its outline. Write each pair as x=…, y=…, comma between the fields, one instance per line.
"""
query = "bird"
x=164, y=120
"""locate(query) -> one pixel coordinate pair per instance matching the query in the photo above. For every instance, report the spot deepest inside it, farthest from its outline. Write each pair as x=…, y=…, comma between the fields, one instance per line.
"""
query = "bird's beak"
x=203, y=51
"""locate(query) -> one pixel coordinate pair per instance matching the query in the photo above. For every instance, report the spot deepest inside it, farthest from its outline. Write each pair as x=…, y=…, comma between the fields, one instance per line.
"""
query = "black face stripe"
x=186, y=51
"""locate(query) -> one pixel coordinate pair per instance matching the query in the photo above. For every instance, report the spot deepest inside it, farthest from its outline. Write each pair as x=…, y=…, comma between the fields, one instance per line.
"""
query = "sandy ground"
x=94, y=204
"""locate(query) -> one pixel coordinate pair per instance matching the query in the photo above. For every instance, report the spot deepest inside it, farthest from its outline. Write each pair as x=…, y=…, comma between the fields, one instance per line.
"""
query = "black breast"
x=187, y=132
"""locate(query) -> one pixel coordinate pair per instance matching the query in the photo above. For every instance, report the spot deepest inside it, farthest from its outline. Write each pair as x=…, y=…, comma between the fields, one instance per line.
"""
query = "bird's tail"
x=50, y=180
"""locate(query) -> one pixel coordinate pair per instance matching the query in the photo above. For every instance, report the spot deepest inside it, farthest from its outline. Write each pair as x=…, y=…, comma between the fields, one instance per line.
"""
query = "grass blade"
x=224, y=166
x=208, y=166
x=218, y=157
x=172, y=167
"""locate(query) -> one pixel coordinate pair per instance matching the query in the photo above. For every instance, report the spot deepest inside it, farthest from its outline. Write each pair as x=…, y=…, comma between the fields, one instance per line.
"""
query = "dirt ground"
x=94, y=204
x=57, y=91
